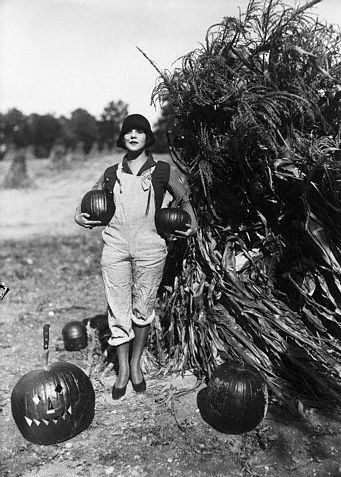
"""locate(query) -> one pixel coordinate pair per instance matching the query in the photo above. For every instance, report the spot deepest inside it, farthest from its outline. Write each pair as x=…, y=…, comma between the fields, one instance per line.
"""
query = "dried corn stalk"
x=257, y=128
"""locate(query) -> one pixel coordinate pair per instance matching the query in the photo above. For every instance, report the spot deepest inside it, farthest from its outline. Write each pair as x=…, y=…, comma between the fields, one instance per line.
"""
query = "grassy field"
x=52, y=268
x=47, y=208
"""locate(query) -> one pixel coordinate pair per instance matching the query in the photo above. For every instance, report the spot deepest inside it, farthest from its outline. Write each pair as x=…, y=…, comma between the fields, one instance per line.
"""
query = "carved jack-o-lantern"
x=53, y=404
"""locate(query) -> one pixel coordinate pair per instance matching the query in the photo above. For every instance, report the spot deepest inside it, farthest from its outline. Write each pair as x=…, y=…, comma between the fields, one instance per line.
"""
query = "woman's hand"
x=183, y=234
x=82, y=220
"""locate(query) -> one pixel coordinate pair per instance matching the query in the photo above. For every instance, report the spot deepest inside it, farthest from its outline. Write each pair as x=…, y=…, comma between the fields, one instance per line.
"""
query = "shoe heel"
x=141, y=387
x=117, y=393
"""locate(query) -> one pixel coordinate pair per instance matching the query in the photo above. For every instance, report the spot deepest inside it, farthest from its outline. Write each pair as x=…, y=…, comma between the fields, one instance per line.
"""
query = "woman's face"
x=135, y=140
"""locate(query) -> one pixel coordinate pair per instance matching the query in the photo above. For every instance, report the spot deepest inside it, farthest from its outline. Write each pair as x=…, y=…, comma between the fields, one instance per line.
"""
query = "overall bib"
x=133, y=256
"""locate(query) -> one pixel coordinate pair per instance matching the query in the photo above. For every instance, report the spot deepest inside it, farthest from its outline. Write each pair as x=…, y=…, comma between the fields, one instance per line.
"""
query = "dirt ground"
x=52, y=269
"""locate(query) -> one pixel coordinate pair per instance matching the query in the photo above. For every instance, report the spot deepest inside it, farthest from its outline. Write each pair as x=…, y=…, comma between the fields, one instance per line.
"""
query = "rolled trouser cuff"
x=141, y=320
x=120, y=336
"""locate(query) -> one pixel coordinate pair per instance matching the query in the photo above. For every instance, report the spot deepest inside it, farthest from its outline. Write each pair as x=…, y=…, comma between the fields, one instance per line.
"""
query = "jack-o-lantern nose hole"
x=59, y=388
x=36, y=399
x=49, y=405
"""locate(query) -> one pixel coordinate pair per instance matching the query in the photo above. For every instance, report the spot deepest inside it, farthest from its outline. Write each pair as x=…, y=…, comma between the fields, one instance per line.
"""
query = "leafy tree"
x=110, y=123
x=3, y=147
x=66, y=136
x=15, y=128
x=44, y=132
x=83, y=128
x=2, y=125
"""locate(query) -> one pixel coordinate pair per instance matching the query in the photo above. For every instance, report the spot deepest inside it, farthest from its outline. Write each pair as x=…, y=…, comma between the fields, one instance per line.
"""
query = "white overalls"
x=133, y=256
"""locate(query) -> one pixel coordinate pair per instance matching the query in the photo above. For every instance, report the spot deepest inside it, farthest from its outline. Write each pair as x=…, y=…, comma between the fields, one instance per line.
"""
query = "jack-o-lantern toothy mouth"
x=44, y=421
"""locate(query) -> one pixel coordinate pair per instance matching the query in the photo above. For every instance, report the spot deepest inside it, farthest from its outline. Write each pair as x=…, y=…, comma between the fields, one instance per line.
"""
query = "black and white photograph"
x=170, y=238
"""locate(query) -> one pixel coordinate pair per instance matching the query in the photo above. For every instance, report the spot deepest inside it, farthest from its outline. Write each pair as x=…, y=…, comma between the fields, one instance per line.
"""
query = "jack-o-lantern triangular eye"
x=59, y=388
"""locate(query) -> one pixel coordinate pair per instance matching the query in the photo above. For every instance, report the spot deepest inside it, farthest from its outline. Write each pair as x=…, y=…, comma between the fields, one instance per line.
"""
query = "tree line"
x=43, y=132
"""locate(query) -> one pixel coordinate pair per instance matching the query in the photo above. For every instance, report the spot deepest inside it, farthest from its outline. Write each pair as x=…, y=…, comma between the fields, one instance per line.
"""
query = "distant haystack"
x=78, y=153
x=17, y=176
x=94, y=151
x=57, y=157
x=106, y=151
x=3, y=151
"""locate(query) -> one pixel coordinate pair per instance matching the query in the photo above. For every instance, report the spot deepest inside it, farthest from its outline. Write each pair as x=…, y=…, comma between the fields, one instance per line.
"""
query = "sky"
x=60, y=55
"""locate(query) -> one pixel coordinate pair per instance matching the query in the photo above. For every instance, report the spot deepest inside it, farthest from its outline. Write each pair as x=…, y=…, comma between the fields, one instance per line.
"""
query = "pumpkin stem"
x=46, y=338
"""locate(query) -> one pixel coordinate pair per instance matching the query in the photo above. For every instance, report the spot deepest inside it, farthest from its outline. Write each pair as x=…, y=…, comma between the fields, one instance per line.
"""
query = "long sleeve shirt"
x=176, y=187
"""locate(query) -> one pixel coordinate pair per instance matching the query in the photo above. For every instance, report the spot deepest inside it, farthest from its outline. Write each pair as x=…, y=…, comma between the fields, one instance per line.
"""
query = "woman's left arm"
x=176, y=186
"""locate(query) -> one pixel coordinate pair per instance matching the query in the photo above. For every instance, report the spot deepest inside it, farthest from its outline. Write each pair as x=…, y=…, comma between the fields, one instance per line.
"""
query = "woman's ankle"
x=122, y=379
x=136, y=374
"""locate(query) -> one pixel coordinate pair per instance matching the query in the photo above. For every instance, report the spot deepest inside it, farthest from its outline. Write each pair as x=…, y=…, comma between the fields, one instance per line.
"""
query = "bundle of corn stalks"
x=257, y=131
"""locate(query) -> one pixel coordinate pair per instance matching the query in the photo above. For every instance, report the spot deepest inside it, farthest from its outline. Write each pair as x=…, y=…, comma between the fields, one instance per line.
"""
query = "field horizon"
x=47, y=208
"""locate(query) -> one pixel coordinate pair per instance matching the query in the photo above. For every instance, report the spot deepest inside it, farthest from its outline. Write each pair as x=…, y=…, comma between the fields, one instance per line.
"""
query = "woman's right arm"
x=82, y=218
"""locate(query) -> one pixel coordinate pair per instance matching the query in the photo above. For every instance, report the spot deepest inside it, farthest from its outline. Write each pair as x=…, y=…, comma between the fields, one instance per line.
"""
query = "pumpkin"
x=54, y=403
x=170, y=219
x=235, y=400
x=75, y=336
x=99, y=205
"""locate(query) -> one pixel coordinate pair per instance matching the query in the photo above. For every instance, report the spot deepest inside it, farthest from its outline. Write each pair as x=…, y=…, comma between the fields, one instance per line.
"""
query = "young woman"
x=134, y=254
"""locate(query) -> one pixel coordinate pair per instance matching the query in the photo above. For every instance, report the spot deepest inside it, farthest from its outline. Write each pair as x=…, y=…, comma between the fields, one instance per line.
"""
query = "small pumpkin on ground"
x=54, y=403
x=235, y=400
x=74, y=336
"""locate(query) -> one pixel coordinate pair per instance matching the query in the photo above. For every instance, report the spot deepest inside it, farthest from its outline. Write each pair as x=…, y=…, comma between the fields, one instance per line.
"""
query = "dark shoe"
x=141, y=387
x=117, y=393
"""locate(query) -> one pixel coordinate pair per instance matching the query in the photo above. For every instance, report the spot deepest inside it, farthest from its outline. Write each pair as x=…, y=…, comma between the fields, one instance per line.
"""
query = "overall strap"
x=146, y=182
